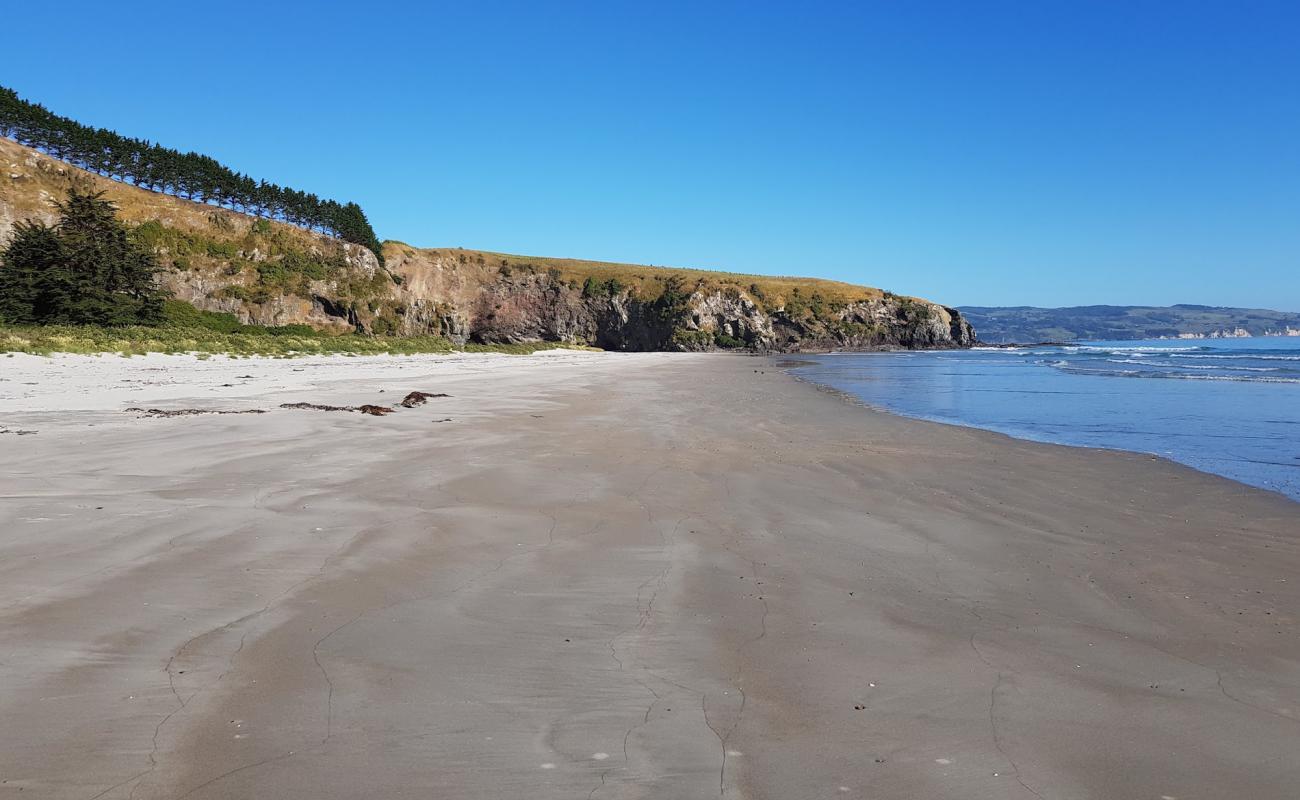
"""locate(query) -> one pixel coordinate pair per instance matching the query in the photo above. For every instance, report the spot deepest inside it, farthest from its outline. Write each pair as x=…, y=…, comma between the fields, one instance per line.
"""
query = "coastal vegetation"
x=84, y=270
x=260, y=262
x=189, y=175
x=185, y=329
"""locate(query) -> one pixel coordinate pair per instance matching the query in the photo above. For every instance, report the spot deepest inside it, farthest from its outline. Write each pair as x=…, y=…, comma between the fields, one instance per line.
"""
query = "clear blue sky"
x=1034, y=152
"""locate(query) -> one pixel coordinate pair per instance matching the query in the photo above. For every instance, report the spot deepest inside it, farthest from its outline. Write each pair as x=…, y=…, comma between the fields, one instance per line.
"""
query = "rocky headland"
x=267, y=272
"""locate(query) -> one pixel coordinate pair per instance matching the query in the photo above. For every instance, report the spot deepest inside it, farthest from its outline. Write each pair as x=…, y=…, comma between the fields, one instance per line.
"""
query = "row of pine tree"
x=189, y=175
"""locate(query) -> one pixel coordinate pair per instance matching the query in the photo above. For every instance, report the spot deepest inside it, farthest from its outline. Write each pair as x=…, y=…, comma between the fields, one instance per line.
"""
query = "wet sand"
x=611, y=576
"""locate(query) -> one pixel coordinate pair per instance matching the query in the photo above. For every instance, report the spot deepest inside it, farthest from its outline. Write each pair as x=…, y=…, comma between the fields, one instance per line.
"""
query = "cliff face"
x=487, y=298
x=270, y=273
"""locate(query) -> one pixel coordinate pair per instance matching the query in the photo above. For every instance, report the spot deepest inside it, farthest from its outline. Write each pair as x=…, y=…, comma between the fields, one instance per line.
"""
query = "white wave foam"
x=1191, y=366
x=1240, y=378
x=1066, y=366
x=1137, y=373
x=1120, y=350
x=1235, y=356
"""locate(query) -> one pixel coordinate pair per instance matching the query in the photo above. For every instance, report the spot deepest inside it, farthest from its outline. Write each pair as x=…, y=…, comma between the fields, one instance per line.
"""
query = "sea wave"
x=1065, y=366
x=1261, y=357
x=1240, y=378
x=1192, y=366
x=1116, y=349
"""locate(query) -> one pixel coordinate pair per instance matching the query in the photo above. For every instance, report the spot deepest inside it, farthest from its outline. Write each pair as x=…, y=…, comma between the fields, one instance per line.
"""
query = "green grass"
x=283, y=265
x=648, y=282
x=189, y=330
x=136, y=340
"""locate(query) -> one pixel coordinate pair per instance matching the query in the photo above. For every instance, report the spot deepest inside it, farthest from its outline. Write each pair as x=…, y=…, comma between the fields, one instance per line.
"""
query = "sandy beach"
x=589, y=575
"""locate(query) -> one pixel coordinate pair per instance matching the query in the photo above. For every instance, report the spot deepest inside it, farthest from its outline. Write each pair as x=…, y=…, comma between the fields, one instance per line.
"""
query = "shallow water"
x=1227, y=406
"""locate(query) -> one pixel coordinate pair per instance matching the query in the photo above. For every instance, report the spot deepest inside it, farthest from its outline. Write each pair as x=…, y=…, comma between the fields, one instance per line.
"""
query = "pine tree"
x=31, y=279
x=84, y=271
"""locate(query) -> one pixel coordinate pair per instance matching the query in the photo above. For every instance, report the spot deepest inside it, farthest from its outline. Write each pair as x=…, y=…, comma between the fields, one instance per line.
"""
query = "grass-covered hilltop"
x=240, y=265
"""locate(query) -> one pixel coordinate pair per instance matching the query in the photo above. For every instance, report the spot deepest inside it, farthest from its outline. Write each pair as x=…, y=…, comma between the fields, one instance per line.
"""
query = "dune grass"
x=139, y=340
x=189, y=330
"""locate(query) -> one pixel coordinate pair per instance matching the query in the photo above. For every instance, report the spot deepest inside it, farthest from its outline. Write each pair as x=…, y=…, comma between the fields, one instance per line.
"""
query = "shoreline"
x=620, y=575
x=1234, y=425
x=854, y=400
x=383, y=366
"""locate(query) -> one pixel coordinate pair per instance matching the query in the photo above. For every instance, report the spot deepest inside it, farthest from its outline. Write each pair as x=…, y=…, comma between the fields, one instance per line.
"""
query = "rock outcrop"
x=472, y=296
x=270, y=273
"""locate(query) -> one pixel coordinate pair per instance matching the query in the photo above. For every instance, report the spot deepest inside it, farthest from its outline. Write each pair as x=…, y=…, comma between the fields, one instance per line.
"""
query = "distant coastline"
x=1235, y=333
x=1029, y=324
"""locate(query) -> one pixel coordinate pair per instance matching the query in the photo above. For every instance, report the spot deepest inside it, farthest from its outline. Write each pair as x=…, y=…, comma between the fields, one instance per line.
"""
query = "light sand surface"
x=615, y=576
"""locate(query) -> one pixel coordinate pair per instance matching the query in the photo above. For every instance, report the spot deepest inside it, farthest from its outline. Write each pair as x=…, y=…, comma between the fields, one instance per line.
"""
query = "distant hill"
x=1029, y=324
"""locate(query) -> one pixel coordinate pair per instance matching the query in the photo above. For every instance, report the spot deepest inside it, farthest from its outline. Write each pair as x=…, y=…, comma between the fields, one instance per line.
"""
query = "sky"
x=973, y=153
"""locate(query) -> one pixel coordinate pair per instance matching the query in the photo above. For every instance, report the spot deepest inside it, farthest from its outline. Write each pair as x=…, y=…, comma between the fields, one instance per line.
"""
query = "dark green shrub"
x=726, y=342
x=179, y=314
x=86, y=270
x=691, y=339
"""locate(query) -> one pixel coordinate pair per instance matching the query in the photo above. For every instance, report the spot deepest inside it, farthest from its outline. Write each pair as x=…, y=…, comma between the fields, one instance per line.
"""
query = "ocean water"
x=1226, y=406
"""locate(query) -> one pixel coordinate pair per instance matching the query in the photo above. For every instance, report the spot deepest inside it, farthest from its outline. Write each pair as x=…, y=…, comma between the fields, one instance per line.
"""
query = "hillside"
x=270, y=273
x=191, y=175
x=1029, y=324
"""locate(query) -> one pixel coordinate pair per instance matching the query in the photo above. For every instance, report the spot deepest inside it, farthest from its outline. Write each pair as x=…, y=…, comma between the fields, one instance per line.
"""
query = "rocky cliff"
x=271, y=273
x=490, y=297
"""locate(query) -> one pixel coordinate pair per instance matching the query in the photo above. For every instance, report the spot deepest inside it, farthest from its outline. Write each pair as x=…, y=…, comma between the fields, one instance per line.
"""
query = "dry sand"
x=615, y=577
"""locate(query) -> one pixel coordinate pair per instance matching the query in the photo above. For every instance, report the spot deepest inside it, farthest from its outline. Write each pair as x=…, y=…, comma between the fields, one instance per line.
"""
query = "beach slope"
x=613, y=576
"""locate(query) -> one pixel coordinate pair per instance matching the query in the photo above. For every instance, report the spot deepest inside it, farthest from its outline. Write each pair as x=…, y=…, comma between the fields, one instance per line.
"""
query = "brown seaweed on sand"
x=374, y=411
x=411, y=400
x=419, y=398
x=188, y=412
x=316, y=407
